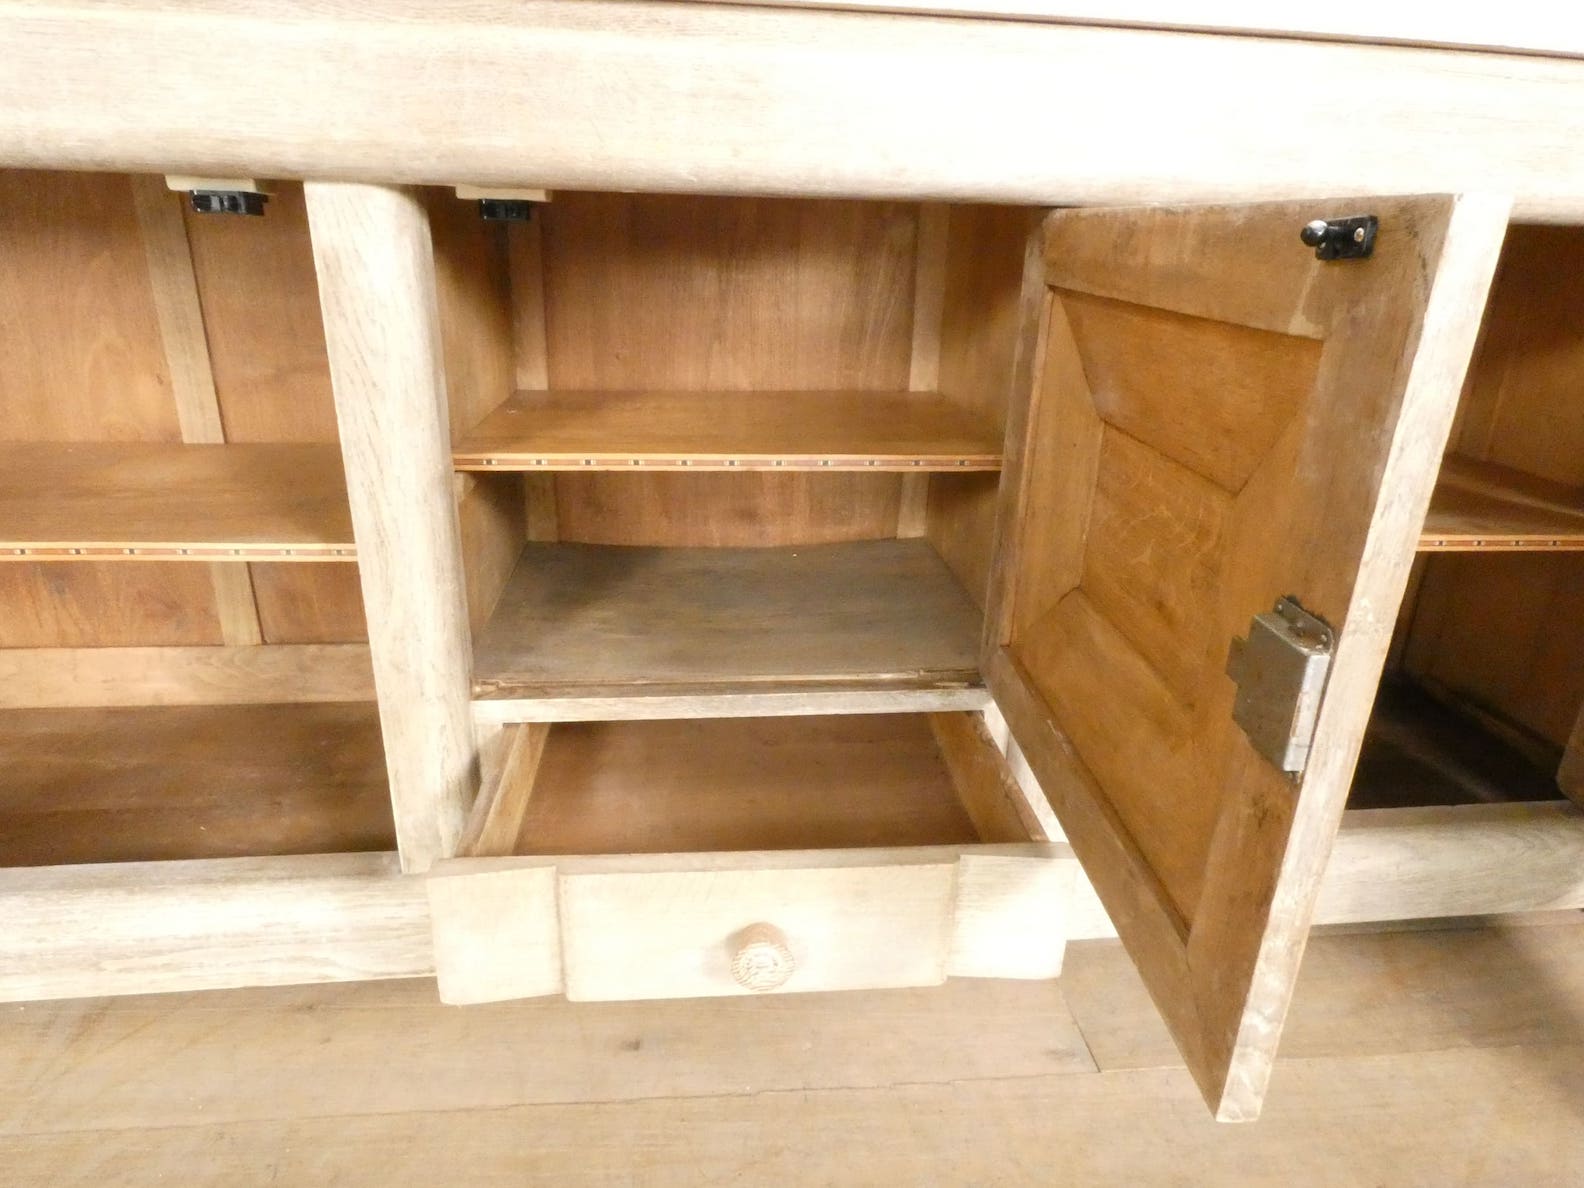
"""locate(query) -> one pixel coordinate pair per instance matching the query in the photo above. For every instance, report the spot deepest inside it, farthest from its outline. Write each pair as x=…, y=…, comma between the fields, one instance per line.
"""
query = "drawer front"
x=703, y=925
x=704, y=933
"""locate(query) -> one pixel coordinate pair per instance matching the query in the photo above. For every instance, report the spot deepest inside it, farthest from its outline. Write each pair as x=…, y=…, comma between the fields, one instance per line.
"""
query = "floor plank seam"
x=578, y=1103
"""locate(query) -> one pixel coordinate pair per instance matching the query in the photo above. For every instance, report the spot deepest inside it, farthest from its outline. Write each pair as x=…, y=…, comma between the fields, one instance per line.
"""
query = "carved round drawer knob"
x=761, y=957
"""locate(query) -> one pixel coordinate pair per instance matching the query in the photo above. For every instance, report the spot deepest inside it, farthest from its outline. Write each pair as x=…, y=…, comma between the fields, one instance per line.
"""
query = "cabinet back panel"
x=106, y=604
x=650, y=291
x=653, y=291
x=80, y=351
x=81, y=359
x=726, y=510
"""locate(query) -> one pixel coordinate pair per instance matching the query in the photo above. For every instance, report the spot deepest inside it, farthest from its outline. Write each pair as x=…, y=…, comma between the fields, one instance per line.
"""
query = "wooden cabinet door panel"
x=1215, y=418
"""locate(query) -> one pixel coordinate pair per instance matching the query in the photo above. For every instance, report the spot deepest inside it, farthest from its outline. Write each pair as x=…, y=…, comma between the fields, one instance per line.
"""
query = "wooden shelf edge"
x=637, y=704
x=857, y=431
x=1485, y=507
x=165, y=501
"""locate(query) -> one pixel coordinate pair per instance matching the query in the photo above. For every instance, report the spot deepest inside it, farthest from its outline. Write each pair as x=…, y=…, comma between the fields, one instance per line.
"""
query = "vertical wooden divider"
x=929, y=302
x=375, y=264
x=185, y=339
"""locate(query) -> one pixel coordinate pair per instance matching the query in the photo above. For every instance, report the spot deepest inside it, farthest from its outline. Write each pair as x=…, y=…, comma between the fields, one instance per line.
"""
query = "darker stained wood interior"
x=144, y=784
x=742, y=784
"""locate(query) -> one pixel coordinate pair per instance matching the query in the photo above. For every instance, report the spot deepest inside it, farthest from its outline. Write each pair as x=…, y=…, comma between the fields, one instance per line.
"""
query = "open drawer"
x=673, y=859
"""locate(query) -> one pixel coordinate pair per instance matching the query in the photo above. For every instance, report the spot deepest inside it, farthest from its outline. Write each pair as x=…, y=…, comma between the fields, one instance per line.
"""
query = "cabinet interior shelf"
x=597, y=620
x=1485, y=507
x=558, y=430
x=162, y=501
x=151, y=784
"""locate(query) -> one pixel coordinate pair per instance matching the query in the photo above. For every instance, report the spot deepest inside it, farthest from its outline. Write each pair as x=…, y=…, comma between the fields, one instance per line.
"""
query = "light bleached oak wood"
x=377, y=287
x=909, y=431
x=145, y=501
x=157, y=927
x=184, y=183
x=752, y=100
x=667, y=925
x=1358, y=1118
x=467, y=193
x=80, y=1061
x=1111, y=675
x=584, y=619
x=618, y=704
x=107, y=930
x=1531, y=25
x=62, y=678
x=496, y=928
x=497, y=814
x=710, y=828
x=1434, y=863
x=1467, y=860
x=1485, y=507
x=1010, y=917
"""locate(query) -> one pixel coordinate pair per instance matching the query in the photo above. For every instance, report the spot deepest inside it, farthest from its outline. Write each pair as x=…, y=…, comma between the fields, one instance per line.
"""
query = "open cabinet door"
x=1217, y=419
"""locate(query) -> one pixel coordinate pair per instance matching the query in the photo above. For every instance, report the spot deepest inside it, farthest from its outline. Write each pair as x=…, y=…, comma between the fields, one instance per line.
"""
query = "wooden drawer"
x=801, y=853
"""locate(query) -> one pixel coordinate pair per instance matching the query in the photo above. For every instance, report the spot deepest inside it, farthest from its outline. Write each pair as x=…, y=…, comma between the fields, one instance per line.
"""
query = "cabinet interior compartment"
x=138, y=784
x=1485, y=684
x=748, y=784
x=183, y=662
x=726, y=445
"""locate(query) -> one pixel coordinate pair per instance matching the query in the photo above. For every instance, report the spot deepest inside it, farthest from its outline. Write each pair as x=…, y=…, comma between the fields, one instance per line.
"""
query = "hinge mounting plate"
x=1280, y=671
x=1350, y=238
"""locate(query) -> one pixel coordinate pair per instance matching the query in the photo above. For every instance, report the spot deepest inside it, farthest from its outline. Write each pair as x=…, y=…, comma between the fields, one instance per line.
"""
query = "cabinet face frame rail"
x=744, y=100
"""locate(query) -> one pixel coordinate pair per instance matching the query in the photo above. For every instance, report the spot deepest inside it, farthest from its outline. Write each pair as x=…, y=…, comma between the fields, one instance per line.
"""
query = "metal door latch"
x=1351, y=238
x=1280, y=671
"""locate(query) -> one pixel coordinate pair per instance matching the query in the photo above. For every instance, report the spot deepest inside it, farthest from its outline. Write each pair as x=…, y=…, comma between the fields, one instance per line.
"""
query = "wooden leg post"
x=375, y=263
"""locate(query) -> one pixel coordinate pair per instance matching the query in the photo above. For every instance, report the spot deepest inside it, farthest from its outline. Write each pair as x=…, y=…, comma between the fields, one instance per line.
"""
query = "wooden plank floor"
x=1413, y=1058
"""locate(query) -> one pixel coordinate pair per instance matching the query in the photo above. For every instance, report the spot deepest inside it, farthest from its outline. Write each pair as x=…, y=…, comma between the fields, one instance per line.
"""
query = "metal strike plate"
x=236, y=202
x=1350, y=238
x=505, y=210
x=1280, y=671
